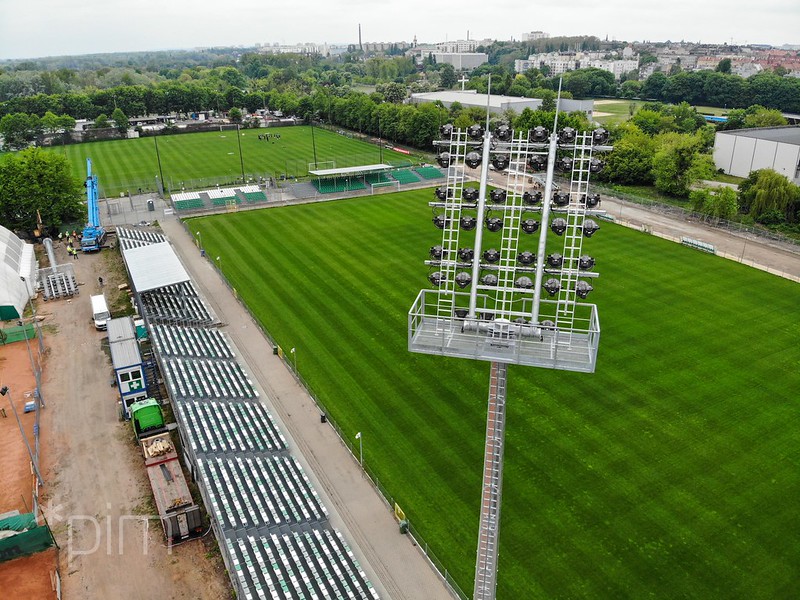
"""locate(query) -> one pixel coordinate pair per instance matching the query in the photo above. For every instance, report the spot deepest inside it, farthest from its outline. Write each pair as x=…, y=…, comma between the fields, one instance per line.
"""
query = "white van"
x=100, y=314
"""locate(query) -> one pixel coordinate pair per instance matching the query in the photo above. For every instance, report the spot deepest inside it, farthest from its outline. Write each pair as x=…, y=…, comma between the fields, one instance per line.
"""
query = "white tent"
x=17, y=275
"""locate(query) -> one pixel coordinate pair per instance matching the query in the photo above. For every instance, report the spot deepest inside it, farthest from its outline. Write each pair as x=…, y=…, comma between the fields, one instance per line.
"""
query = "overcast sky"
x=34, y=28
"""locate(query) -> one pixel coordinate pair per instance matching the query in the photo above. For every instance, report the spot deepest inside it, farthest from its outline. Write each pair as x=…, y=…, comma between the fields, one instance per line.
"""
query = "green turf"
x=204, y=159
x=672, y=472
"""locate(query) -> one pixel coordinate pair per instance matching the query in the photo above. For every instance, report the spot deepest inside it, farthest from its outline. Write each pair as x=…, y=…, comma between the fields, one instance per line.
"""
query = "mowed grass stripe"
x=647, y=478
x=123, y=164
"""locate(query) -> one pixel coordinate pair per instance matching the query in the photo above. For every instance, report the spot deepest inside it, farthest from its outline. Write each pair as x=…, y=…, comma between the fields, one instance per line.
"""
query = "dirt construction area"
x=96, y=496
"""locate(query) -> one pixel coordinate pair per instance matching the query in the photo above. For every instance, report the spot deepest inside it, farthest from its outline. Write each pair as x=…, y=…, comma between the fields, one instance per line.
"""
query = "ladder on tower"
x=573, y=236
x=452, y=228
x=489, y=530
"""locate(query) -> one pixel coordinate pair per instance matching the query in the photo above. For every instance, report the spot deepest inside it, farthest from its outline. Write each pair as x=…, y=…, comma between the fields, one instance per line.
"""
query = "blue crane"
x=94, y=234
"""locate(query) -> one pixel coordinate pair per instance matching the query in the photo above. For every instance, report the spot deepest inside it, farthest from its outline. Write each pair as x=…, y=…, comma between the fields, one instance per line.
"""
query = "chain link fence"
x=689, y=215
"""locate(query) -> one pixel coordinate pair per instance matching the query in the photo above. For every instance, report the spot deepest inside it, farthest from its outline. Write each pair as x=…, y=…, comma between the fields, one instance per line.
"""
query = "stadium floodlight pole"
x=360, y=439
x=548, y=190
x=380, y=140
x=158, y=158
x=313, y=143
x=241, y=158
x=476, y=264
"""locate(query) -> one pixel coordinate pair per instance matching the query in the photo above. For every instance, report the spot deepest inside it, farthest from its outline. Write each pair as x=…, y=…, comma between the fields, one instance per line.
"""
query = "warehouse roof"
x=786, y=135
x=154, y=266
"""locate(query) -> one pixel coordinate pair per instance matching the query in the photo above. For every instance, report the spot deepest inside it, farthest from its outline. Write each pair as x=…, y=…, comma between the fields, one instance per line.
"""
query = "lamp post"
x=241, y=157
x=219, y=263
x=200, y=243
x=360, y=439
x=293, y=352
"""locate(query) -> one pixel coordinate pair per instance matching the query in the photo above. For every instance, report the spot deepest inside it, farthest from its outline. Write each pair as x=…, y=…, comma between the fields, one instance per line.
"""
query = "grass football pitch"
x=671, y=472
x=199, y=160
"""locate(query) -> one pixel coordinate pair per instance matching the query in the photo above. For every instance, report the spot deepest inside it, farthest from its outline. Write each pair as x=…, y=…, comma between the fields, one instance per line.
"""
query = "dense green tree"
x=724, y=66
x=721, y=203
x=653, y=86
x=120, y=120
x=678, y=164
x=631, y=161
x=101, y=121
x=393, y=92
x=19, y=130
x=35, y=180
x=235, y=115
x=768, y=192
x=447, y=76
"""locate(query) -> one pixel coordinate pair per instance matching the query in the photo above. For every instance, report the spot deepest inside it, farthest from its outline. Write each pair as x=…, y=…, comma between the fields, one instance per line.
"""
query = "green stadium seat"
x=429, y=172
x=405, y=176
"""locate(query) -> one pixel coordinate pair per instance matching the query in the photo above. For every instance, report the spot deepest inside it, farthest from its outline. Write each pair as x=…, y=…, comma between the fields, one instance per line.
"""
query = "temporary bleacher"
x=272, y=527
x=187, y=201
x=222, y=427
x=339, y=184
x=191, y=342
x=205, y=378
x=223, y=196
x=429, y=172
x=134, y=238
x=315, y=563
x=252, y=194
x=176, y=304
x=376, y=178
x=259, y=491
x=405, y=176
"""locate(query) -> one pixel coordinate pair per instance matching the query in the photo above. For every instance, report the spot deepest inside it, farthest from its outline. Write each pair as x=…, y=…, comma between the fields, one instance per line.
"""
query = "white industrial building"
x=18, y=271
x=461, y=61
x=742, y=151
x=498, y=104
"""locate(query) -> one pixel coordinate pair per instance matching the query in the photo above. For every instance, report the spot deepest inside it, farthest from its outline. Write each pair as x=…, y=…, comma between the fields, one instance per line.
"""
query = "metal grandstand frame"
x=502, y=317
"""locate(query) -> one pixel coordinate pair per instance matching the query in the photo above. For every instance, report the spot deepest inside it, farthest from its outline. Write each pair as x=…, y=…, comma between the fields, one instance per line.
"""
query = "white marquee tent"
x=17, y=275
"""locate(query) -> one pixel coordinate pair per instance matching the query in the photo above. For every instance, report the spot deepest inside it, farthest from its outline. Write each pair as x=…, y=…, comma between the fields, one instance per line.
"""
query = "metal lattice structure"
x=487, y=299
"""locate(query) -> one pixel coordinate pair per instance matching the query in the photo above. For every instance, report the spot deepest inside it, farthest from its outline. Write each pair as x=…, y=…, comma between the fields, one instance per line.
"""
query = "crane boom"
x=93, y=234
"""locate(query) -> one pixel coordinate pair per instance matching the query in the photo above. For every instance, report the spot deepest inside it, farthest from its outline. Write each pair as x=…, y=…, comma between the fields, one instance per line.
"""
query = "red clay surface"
x=23, y=578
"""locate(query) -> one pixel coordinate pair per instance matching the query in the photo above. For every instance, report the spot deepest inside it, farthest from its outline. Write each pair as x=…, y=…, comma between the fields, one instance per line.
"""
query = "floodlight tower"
x=500, y=316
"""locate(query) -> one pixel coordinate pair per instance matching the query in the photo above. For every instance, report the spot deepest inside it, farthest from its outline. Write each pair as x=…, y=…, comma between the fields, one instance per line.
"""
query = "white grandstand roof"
x=154, y=266
x=350, y=170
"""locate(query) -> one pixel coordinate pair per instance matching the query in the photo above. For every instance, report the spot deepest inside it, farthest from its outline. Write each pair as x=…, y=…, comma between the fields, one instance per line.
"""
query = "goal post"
x=318, y=166
x=384, y=184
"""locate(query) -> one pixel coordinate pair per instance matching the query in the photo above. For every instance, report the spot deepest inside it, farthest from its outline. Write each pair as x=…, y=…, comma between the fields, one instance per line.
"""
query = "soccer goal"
x=319, y=166
x=384, y=184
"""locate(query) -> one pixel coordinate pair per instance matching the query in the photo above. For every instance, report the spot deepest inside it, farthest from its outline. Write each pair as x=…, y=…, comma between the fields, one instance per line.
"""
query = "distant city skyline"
x=56, y=28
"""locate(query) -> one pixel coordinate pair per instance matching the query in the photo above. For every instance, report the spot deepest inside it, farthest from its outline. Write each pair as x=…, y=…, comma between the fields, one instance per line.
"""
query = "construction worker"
x=69, y=248
x=60, y=235
x=74, y=254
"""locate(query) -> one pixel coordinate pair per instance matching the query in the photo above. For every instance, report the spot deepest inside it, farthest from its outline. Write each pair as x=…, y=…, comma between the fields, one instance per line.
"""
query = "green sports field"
x=205, y=159
x=672, y=472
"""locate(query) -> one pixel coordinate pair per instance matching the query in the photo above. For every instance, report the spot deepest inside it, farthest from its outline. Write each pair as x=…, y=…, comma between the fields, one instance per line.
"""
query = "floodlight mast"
x=502, y=323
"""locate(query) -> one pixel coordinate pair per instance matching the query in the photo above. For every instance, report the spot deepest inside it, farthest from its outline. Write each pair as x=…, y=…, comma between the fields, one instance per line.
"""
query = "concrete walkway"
x=392, y=561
